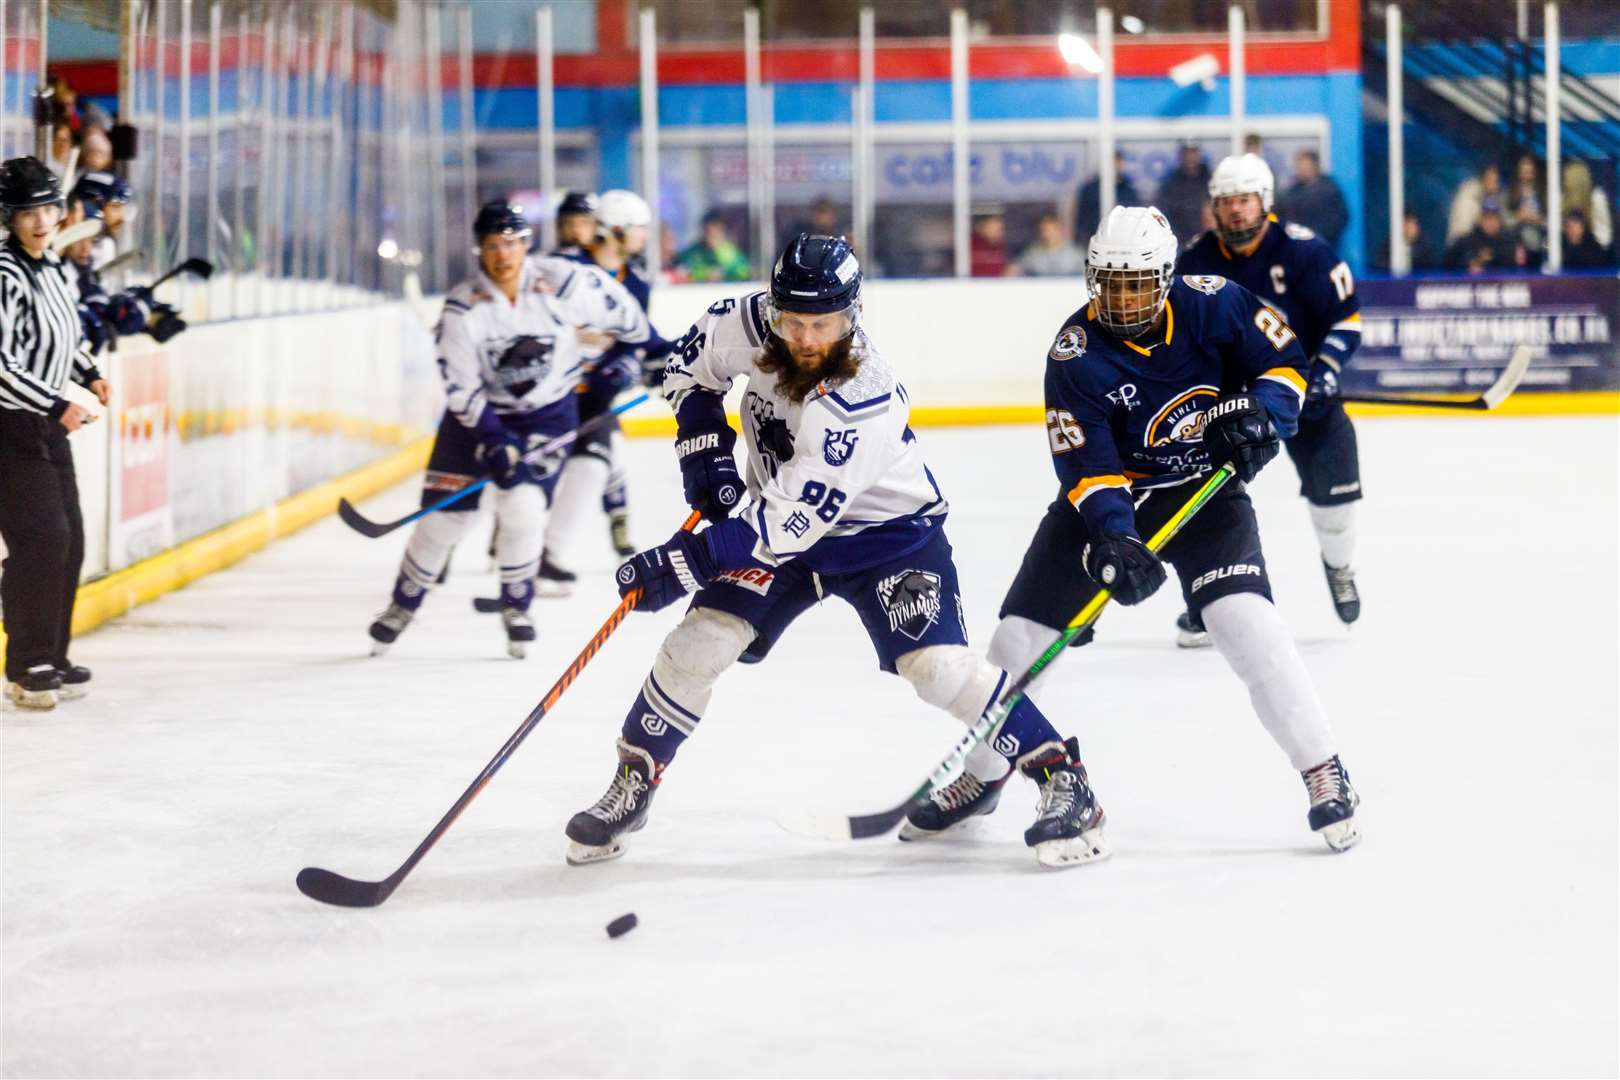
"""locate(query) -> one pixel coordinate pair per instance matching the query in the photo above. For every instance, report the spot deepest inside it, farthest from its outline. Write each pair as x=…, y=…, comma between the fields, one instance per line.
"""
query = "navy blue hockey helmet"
x=103, y=187
x=817, y=275
x=25, y=183
x=500, y=216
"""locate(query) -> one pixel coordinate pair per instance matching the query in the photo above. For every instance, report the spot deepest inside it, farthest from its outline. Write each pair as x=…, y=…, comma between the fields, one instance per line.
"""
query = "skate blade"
x=35, y=700
x=378, y=648
x=1088, y=847
x=1187, y=639
x=585, y=854
x=1341, y=835
x=75, y=694
x=517, y=650
x=552, y=590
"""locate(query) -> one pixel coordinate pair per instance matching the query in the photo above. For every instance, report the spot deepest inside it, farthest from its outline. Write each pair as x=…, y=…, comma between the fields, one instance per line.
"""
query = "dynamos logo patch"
x=911, y=601
x=518, y=363
x=1182, y=420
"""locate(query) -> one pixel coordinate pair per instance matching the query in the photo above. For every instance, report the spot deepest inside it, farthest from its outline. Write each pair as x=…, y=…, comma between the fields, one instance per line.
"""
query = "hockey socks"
x=1336, y=533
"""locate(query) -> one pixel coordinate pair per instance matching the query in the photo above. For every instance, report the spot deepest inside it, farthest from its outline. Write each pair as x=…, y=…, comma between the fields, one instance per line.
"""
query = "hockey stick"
x=862, y=826
x=118, y=262
x=366, y=527
x=72, y=234
x=1493, y=395
x=331, y=888
x=200, y=267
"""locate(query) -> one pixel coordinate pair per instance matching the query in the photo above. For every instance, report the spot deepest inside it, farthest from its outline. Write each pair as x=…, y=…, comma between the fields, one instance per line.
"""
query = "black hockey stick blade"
x=487, y=605
x=340, y=891
x=363, y=525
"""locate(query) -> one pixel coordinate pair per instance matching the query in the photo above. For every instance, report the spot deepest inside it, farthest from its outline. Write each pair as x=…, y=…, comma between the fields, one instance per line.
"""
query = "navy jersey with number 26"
x=1123, y=415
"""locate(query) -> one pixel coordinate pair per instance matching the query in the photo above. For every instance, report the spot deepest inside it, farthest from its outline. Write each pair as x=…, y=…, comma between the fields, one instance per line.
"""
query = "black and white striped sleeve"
x=20, y=386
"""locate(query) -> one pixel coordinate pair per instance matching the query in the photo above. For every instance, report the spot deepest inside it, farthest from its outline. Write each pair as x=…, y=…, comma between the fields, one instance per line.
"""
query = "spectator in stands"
x=1420, y=251
x=1471, y=193
x=1524, y=207
x=95, y=151
x=1254, y=144
x=987, y=252
x=1182, y=196
x=1314, y=200
x=62, y=143
x=1051, y=255
x=1581, y=251
x=714, y=256
x=1593, y=202
x=822, y=220
x=1488, y=247
x=1088, y=212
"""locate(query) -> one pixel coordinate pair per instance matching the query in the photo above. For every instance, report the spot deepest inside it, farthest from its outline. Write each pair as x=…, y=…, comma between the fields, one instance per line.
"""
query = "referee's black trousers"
x=44, y=534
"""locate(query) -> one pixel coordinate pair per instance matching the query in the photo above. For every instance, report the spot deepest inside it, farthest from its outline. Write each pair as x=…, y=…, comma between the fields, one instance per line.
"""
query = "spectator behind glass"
x=1314, y=200
x=988, y=250
x=1182, y=196
x=61, y=145
x=1488, y=247
x=1418, y=247
x=1524, y=207
x=1581, y=251
x=1051, y=255
x=822, y=220
x=1088, y=215
x=1471, y=193
x=95, y=151
x=713, y=256
x=1593, y=202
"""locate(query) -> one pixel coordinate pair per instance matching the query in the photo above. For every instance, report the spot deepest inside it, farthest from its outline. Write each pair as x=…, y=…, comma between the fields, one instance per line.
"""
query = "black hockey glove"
x=1125, y=567
x=1236, y=429
x=165, y=323
x=709, y=472
x=502, y=455
x=666, y=573
x=1322, y=390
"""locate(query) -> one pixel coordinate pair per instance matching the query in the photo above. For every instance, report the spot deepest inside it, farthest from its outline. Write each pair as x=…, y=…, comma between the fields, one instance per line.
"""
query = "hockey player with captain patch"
x=837, y=501
x=1299, y=276
x=1156, y=382
x=510, y=361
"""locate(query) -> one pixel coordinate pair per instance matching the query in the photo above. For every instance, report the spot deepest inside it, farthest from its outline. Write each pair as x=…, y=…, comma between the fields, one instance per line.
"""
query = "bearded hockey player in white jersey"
x=1133, y=381
x=1298, y=274
x=510, y=360
x=838, y=502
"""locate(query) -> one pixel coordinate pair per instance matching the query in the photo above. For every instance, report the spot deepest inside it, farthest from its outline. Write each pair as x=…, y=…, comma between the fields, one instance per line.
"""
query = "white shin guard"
x=575, y=503
x=695, y=654
x=1251, y=634
x=1336, y=533
x=428, y=549
x=958, y=680
x=520, y=522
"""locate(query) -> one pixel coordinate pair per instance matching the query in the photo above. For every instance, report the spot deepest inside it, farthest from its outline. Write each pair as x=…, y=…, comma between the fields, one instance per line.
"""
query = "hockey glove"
x=95, y=330
x=1322, y=390
x=1125, y=567
x=709, y=472
x=502, y=455
x=666, y=573
x=1236, y=429
x=165, y=323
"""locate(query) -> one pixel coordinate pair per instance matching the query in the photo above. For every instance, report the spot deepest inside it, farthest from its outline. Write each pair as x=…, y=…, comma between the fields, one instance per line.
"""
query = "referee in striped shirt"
x=40, y=348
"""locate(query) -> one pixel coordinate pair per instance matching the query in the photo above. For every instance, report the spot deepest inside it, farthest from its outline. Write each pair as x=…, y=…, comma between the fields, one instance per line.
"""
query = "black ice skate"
x=553, y=580
x=519, y=631
x=1069, y=820
x=389, y=625
x=39, y=688
x=1333, y=804
x=619, y=529
x=1190, y=632
x=75, y=680
x=1342, y=587
x=947, y=807
x=598, y=834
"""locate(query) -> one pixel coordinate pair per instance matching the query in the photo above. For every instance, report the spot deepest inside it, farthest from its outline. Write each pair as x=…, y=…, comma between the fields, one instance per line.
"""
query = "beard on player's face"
x=796, y=376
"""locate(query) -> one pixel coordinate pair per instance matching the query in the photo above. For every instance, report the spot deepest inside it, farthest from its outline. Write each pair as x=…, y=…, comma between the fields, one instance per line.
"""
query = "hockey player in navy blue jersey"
x=1149, y=387
x=837, y=502
x=594, y=472
x=1301, y=277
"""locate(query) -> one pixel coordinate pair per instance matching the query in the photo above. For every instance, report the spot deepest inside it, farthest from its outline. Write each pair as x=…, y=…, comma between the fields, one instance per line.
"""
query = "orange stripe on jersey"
x=1287, y=375
x=1349, y=321
x=1090, y=484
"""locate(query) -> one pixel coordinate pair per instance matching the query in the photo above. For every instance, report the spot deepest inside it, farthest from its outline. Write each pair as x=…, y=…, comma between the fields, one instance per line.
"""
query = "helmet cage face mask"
x=1147, y=289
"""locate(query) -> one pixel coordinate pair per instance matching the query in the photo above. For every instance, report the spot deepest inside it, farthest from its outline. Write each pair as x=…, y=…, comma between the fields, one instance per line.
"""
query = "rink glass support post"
x=961, y=173
x=1400, y=259
x=546, y=117
x=1554, y=115
x=649, y=134
x=1108, y=191
x=469, y=135
x=1236, y=76
x=865, y=111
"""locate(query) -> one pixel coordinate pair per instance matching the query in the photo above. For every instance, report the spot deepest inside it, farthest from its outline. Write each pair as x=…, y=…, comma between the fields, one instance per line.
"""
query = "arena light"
x=1077, y=52
x=1131, y=24
x=388, y=248
x=1200, y=69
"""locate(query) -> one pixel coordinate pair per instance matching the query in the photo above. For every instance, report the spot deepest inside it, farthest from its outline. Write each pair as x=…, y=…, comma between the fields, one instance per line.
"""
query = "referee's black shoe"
x=74, y=680
x=37, y=689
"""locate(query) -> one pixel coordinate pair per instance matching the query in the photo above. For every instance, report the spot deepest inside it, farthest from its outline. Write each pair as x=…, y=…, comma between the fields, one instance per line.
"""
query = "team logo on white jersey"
x=1070, y=343
x=772, y=438
x=1182, y=420
x=837, y=447
x=518, y=363
x=911, y=601
x=1205, y=283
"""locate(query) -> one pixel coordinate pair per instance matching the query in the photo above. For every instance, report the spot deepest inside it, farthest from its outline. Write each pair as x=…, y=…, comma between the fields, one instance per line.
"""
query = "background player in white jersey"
x=1156, y=382
x=840, y=503
x=510, y=361
x=594, y=474
x=1300, y=276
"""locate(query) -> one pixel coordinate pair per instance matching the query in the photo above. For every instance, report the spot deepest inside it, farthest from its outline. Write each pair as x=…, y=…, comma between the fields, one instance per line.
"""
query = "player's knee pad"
x=429, y=547
x=696, y=652
x=520, y=521
x=951, y=677
x=1251, y=635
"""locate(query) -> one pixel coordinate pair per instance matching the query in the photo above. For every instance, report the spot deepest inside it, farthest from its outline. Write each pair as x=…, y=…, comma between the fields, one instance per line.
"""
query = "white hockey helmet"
x=1129, y=267
x=621, y=209
x=1242, y=174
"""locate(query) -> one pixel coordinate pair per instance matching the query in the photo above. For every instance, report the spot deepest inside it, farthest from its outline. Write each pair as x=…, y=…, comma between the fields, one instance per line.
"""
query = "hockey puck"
x=622, y=925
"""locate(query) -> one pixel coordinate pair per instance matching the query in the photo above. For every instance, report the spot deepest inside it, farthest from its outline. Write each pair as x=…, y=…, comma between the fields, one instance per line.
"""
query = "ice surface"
x=237, y=732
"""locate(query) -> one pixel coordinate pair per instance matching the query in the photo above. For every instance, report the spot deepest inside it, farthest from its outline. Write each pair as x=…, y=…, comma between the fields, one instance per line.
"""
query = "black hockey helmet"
x=26, y=182
x=817, y=275
x=104, y=187
x=500, y=216
x=577, y=202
